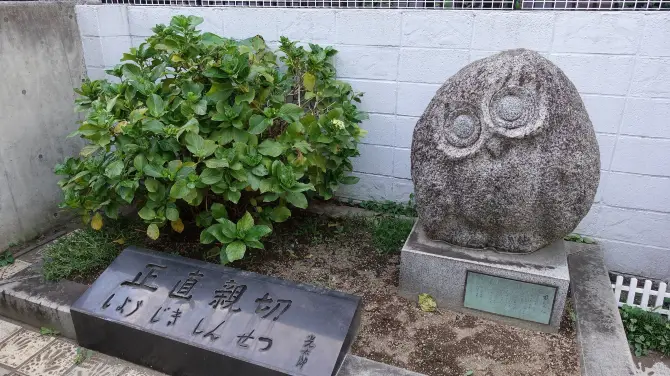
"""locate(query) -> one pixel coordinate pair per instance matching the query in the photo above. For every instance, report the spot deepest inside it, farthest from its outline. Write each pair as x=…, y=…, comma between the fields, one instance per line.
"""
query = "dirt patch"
x=393, y=329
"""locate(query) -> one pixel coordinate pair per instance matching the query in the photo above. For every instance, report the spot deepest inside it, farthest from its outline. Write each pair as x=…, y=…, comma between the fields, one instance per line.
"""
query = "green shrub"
x=646, y=330
x=213, y=130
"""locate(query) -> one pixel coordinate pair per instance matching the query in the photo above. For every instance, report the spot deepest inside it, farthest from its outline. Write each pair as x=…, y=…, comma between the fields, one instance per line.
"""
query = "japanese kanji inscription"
x=165, y=306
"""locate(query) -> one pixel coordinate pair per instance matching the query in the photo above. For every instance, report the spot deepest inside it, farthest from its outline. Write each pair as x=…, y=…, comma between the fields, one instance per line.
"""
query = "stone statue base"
x=526, y=290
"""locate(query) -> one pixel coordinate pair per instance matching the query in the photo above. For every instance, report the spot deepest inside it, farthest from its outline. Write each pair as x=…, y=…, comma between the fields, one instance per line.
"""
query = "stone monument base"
x=526, y=290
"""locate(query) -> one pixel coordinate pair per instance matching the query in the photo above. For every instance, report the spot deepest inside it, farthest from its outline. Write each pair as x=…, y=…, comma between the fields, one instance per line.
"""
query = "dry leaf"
x=177, y=225
x=96, y=222
x=427, y=303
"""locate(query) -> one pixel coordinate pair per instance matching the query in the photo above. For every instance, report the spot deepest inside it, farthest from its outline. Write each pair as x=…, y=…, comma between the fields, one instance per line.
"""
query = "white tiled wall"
x=619, y=61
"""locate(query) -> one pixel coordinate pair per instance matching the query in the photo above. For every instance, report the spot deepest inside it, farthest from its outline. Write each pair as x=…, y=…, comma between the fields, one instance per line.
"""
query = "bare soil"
x=393, y=329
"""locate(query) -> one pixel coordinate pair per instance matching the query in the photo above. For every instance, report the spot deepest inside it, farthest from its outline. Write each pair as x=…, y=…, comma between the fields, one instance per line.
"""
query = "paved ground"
x=652, y=365
x=25, y=352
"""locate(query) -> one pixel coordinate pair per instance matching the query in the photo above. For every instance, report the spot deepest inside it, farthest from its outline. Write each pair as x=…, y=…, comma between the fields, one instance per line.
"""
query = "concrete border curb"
x=26, y=297
x=603, y=347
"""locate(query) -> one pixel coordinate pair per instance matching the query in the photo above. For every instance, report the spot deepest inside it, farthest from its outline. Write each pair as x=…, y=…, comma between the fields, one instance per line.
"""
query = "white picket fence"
x=632, y=291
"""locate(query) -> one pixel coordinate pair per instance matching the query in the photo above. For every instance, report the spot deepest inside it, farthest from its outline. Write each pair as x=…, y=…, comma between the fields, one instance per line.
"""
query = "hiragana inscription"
x=107, y=302
x=210, y=334
x=156, y=316
x=175, y=315
x=242, y=339
x=121, y=308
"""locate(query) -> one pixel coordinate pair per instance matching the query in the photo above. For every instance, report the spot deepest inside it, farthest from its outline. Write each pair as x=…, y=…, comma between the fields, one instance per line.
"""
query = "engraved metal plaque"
x=509, y=297
x=188, y=317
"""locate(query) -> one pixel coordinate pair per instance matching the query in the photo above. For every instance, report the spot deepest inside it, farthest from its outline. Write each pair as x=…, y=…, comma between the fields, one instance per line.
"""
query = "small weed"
x=82, y=355
x=86, y=251
x=15, y=244
x=469, y=373
x=579, y=239
x=49, y=332
x=389, y=233
x=6, y=258
x=645, y=330
x=571, y=315
x=312, y=231
x=354, y=225
x=391, y=207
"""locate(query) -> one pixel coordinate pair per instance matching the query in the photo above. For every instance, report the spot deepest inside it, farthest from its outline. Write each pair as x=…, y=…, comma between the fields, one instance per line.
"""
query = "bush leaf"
x=280, y=214
x=153, y=232
x=114, y=169
x=257, y=232
x=290, y=112
x=211, y=176
x=308, y=81
x=147, y=213
x=156, y=105
x=298, y=199
x=350, y=180
x=235, y=251
x=271, y=148
x=172, y=214
x=245, y=223
x=258, y=124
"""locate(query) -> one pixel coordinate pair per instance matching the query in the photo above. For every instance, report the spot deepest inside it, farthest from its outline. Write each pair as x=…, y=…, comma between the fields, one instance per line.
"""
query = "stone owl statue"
x=505, y=156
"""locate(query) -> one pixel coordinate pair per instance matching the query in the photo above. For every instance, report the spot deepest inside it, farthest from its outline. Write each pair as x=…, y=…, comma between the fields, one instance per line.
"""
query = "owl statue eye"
x=463, y=127
x=460, y=131
x=514, y=111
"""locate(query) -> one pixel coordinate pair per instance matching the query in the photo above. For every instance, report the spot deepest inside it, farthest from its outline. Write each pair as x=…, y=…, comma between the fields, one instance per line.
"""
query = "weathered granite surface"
x=442, y=270
x=505, y=156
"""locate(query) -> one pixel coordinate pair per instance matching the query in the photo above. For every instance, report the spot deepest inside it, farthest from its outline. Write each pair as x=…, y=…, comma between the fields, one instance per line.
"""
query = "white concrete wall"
x=619, y=61
x=41, y=60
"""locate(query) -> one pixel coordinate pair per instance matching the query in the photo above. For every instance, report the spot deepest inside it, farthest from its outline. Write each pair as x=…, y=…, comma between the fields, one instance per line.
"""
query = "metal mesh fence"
x=419, y=4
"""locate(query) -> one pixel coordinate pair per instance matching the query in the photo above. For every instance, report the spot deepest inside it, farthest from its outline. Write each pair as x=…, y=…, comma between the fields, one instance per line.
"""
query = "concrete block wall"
x=41, y=60
x=619, y=61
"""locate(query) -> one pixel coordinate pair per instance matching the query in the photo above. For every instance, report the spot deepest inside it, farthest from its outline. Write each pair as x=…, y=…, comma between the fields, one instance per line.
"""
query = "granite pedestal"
x=526, y=290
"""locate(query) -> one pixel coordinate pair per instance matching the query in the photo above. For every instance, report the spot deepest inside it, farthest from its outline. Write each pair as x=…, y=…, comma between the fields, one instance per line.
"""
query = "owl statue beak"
x=494, y=147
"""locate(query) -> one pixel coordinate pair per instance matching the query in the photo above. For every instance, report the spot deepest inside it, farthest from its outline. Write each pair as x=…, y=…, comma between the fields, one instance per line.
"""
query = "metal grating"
x=419, y=4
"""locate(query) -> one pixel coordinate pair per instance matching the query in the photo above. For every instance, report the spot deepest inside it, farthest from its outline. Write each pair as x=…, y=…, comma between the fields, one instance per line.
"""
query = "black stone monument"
x=191, y=318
